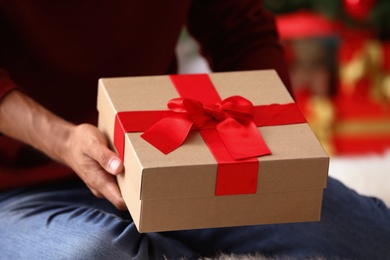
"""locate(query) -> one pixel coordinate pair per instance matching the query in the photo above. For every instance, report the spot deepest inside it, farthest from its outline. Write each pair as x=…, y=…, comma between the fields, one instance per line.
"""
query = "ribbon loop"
x=238, y=107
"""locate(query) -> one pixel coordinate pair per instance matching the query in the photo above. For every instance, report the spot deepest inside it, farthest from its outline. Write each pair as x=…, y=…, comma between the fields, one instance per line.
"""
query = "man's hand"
x=82, y=147
x=87, y=153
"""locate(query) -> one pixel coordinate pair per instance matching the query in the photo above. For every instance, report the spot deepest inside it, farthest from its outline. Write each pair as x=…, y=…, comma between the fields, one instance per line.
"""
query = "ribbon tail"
x=277, y=114
x=168, y=133
x=242, y=140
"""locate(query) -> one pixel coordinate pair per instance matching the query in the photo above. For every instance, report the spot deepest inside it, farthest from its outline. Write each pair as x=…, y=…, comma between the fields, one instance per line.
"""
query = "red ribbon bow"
x=231, y=118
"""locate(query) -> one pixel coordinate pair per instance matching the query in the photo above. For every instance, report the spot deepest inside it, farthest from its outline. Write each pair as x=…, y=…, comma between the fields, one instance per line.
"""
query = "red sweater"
x=55, y=51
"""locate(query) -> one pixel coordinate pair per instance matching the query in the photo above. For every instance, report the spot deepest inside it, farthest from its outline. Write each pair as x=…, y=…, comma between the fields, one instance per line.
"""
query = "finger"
x=105, y=186
x=96, y=193
x=108, y=160
x=112, y=193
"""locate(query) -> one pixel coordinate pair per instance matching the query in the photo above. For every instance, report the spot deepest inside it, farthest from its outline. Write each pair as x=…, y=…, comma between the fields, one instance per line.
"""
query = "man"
x=60, y=199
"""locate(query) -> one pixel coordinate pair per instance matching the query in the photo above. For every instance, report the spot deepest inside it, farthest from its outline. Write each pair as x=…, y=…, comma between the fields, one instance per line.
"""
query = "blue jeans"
x=67, y=222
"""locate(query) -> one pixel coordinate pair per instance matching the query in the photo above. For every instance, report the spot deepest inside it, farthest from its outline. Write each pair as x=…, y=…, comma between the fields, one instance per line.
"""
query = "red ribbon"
x=229, y=128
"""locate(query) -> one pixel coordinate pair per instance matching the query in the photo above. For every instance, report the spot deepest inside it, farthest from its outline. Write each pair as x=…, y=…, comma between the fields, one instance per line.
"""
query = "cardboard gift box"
x=198, y=182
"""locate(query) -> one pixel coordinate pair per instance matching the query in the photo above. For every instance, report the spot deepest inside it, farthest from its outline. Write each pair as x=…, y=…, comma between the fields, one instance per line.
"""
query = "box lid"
x=298, y=161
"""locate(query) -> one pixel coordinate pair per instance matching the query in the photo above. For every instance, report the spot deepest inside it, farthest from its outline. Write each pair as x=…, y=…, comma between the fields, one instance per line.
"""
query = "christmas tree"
x=371, y=15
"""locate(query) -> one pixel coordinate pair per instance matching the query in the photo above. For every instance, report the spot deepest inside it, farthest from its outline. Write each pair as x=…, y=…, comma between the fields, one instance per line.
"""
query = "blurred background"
x=338, y=52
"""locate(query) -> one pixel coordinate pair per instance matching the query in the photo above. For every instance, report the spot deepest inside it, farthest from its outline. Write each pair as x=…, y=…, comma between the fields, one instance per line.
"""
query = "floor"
x=367, y=174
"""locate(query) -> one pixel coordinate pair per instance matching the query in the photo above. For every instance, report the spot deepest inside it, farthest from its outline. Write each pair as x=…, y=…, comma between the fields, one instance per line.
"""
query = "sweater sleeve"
x=6, y=84
x=237, y=35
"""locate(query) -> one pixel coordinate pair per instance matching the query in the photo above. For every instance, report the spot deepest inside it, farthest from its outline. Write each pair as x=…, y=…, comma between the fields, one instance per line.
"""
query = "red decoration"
x=303, y=24
x=359, y=9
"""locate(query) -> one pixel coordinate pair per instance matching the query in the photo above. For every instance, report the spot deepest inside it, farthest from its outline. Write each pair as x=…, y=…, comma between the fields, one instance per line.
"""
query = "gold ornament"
x=367, y=63
x=322, y=120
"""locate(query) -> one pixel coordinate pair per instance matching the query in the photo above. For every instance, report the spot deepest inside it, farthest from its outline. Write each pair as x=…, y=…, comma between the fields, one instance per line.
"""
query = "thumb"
x=109, y=161
x=115, y=166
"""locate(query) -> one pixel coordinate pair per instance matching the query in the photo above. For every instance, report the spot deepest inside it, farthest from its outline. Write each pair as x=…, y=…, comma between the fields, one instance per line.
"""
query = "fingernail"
x=114, y=165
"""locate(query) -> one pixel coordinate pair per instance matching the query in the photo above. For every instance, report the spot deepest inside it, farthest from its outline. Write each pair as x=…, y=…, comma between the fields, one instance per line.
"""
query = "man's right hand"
x=81, y=147
x=87, y=153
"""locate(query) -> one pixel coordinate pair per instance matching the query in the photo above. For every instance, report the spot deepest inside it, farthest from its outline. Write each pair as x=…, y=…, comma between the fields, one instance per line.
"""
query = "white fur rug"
x=367, y=174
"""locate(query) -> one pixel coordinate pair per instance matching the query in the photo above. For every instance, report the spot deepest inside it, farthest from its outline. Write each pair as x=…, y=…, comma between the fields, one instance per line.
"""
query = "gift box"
x=212, y=150
x=362, y=104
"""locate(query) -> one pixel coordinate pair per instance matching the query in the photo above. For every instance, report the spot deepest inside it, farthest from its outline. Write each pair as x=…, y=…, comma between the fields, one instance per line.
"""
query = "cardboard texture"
x=177, y=191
